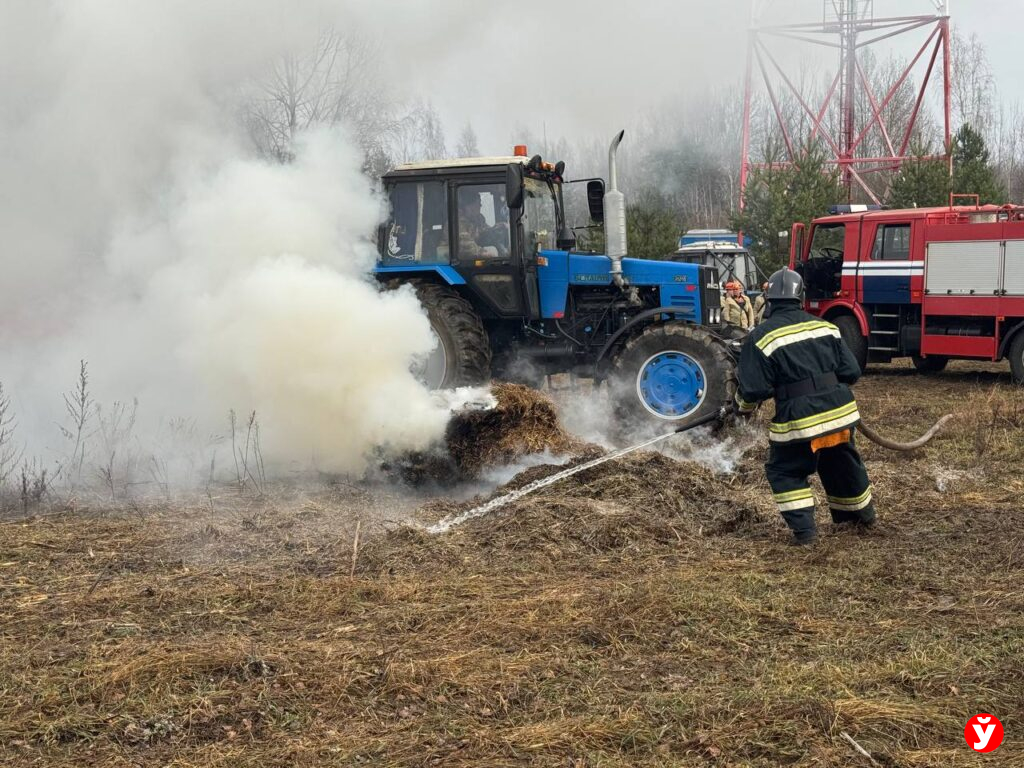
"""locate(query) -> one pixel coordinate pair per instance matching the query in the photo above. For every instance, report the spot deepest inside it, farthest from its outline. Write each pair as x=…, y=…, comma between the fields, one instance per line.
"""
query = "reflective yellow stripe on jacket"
x=791, y=334
x=814, y=426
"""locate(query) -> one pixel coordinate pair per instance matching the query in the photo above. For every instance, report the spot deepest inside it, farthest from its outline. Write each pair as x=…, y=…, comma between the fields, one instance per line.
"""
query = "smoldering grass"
x=631, y=617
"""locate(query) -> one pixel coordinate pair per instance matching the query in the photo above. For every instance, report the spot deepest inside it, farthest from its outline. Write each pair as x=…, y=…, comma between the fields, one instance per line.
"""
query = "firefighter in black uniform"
x=802, y=362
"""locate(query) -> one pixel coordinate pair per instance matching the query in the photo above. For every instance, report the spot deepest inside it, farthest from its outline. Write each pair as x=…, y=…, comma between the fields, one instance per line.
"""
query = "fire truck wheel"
x=930, y=364
x=849, y=328
x=1017, y=358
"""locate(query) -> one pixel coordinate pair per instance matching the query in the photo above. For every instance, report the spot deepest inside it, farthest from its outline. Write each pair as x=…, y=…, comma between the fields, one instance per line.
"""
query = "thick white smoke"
x=141, y=234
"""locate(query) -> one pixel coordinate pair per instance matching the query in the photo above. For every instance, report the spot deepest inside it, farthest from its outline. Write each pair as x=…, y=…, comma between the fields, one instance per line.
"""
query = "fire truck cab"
x=932, y=284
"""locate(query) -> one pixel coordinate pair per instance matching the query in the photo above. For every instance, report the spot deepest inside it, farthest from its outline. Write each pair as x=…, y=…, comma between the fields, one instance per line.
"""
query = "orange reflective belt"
x=830, y=441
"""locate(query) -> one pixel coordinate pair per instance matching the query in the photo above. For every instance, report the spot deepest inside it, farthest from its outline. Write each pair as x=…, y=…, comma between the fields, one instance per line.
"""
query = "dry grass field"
x=644, y=613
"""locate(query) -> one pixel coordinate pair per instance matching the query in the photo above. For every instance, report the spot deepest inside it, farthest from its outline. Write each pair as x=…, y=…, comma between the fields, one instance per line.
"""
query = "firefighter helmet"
x=785, y=285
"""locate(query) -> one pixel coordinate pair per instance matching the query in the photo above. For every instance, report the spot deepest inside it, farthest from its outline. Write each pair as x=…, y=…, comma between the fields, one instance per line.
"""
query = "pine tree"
x=652, y=227
x=778, y=195
x=972, y=172
x=920, y=182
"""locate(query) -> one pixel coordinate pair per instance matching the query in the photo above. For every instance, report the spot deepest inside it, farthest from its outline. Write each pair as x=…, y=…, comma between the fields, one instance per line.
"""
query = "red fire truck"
x=933, y=284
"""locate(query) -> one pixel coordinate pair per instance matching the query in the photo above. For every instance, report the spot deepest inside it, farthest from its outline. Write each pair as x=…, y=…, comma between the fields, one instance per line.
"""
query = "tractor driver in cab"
x=803, y=363
x=737, y=308
x=476, y=237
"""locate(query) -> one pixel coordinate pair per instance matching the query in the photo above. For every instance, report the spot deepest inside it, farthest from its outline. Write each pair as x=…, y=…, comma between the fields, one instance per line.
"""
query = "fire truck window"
x=892, y=241
x=828, y=241
x=418, y=230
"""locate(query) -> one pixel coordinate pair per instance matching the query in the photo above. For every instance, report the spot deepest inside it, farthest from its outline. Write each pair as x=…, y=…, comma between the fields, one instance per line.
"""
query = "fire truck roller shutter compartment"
x=1013, y=274
x=963, y=268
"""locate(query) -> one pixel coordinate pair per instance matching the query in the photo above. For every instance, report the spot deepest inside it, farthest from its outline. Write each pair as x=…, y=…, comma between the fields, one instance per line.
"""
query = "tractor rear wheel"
x=462, y=356
x=930, y=364
x=669, y=374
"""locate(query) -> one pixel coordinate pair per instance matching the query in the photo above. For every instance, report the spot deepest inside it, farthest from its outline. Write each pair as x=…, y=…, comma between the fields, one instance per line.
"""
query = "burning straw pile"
x=522, y=423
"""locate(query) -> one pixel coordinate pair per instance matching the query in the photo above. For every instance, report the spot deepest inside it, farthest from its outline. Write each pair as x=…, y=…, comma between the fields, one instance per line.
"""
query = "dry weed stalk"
x=79, y=407
x=116, y=433
x=10, y=453
x=248, y=456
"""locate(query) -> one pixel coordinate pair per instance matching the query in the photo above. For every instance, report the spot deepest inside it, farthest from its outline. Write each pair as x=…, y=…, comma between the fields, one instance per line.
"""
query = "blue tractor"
x=485, y=243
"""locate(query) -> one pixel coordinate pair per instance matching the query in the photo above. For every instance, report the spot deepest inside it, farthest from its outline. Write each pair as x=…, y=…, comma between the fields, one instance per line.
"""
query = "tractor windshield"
x=540, y=221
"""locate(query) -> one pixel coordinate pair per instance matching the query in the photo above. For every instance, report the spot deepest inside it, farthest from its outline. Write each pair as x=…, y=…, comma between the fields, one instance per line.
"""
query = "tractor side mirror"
x=595, y=200
x=514, y=185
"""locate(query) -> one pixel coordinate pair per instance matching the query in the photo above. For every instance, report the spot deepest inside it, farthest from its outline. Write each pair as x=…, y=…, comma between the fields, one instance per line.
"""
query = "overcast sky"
x=587, y=67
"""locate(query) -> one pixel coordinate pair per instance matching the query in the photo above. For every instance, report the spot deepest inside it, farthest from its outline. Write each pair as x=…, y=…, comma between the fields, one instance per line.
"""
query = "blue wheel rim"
x=671, y=384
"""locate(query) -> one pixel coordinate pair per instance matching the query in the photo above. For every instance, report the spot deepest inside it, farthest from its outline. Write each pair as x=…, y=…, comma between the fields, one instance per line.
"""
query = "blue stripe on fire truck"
x=885, y=282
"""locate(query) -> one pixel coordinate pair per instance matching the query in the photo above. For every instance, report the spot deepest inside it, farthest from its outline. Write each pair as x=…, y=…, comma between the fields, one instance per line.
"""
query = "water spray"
x=444, y=525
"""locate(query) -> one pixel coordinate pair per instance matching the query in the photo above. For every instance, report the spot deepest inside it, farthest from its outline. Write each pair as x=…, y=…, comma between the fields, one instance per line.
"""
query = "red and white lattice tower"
x=849, y=27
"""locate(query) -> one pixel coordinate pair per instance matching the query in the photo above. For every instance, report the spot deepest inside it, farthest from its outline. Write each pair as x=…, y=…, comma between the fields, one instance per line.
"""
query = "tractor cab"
x=479, y=222
x=722, y=250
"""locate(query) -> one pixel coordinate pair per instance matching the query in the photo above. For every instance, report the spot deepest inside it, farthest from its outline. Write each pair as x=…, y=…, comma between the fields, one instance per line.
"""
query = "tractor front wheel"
x=670, y=374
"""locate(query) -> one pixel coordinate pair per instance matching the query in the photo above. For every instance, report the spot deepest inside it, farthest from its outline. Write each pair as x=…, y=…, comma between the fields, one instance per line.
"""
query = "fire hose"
x=721, y=417
x=913, y=445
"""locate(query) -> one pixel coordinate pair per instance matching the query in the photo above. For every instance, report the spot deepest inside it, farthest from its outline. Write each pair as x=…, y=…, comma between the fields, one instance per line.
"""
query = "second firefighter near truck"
x=803, y=364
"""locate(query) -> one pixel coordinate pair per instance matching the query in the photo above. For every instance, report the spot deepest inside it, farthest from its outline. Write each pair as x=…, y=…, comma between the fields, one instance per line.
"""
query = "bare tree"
x=1007, y=148
x=337, y=82
x=419, y=135
x=467, y=144
x=972, y=84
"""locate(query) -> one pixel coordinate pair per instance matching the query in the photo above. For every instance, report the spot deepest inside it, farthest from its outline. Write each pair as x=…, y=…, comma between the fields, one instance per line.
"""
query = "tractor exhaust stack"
x=615, y=215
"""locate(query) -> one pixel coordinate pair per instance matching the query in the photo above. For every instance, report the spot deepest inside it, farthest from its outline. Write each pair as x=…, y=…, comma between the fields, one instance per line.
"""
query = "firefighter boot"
x=865, y=518
x=801, y=523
